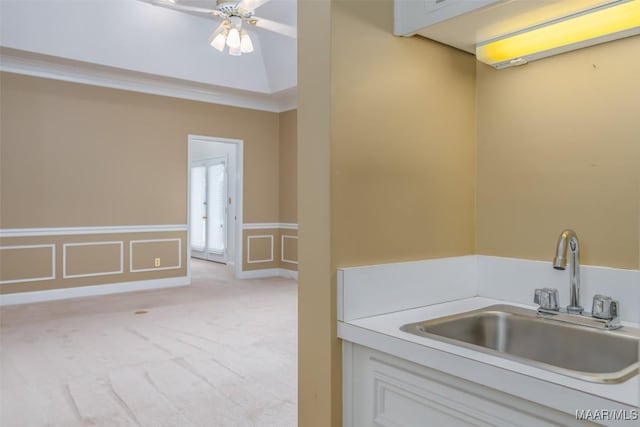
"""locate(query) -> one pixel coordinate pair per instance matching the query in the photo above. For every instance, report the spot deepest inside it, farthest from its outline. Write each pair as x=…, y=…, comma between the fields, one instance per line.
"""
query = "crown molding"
x=52, y=67
x=287, y=99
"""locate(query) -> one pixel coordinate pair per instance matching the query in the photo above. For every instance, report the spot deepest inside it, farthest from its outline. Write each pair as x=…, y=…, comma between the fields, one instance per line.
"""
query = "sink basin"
x=518, y=334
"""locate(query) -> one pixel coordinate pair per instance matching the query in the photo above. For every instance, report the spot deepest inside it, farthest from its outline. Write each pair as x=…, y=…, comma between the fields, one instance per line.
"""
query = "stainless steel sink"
x=518, y=334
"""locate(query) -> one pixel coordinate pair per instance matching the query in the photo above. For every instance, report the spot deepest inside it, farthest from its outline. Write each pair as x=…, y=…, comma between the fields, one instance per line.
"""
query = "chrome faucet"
x=605, y=312
x=569, y=240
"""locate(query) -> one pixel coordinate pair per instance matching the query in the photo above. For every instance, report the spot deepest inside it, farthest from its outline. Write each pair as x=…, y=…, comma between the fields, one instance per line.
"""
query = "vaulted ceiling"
x=140, y=44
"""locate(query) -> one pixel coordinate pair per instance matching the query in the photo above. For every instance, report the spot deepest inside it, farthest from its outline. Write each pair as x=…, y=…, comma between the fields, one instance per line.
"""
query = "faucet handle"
x=546, y=298
x=604, y=307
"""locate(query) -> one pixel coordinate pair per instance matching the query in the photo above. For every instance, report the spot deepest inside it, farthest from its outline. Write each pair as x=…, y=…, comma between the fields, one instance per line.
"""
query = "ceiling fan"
x=234, y=14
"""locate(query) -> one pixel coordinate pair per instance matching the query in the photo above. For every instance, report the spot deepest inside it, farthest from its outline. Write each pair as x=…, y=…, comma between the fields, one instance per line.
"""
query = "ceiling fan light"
x=235, y=51
x=246, y=46
x=219, y=36
x=219, y=41
x=233, y=39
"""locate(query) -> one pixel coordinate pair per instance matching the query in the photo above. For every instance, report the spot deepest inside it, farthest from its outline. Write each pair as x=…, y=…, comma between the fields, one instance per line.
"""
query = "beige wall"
x=559, y=147
x=388, y=144
x=319, y=374
x=74, y=155
x=403, y=134
x=119, y=158
x=288, y=177
x=272, y=246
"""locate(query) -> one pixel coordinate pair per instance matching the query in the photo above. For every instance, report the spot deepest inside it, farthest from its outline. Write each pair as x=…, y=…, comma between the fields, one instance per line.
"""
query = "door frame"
x=238, y=146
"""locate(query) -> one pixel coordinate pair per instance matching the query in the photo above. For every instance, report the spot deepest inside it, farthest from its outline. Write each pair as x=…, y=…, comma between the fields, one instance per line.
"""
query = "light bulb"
x=235, y=51
x=219, y=41
x=219, y=36
x=233, y=39
x=245, y=43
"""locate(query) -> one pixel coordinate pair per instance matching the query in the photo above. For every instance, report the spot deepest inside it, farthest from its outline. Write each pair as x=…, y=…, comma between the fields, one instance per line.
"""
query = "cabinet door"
x=390, y=392
x=413, y=15
x=398, y=402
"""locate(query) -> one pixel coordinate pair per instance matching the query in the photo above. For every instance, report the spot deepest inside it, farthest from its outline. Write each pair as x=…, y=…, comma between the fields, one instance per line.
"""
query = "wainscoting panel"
x=92, y=259
x=144, y=253
x=289, y=249
x=39, y=260
x=270, y=247
x=262, y=246
x=27, y=263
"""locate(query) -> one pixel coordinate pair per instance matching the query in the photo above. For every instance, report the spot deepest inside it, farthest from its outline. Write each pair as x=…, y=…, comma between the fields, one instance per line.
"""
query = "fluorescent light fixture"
x=612, y=21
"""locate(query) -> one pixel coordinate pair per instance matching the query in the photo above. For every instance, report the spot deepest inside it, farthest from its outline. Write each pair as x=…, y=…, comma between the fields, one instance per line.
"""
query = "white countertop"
x=382, y=332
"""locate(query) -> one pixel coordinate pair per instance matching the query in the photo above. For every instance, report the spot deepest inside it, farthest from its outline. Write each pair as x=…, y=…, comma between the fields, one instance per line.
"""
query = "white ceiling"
x=134, y=39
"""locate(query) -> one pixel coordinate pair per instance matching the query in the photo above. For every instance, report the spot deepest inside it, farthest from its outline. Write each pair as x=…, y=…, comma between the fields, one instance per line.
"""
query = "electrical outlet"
x=157, y=262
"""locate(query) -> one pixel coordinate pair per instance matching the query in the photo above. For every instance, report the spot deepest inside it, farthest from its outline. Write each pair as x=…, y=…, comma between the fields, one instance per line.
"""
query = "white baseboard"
x=289, y=274
x=94, y=290
x=268, y=272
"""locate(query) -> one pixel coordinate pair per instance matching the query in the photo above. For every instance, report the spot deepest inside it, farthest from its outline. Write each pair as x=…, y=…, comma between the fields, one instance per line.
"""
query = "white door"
x=209, y=204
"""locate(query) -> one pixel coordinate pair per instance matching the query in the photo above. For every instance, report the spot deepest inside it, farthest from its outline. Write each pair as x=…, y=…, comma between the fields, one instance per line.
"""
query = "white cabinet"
x=413, y=15
x=383, y=390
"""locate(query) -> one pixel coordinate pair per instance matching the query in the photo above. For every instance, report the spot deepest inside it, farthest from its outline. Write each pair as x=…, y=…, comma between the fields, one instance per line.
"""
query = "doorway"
x=215, y=200
x=209, y=209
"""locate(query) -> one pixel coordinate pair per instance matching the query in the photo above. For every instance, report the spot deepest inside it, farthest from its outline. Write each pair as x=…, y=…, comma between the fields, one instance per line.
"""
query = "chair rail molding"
x=68, y=231
x=269, y=225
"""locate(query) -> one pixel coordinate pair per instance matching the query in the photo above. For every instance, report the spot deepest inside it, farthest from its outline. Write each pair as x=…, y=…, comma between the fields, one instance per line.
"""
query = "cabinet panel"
x=387, y=391
x=397, y=403
x=413, y=15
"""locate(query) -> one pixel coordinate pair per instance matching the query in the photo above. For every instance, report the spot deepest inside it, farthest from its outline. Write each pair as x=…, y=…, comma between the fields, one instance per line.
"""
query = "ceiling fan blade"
x=199, y=11
x=276, y=27
x=251, y=4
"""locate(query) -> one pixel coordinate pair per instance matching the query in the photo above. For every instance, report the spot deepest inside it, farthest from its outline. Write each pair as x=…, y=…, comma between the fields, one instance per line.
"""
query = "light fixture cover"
x=246, y=46
x=219, y=41
x=235, y=51
x=604, y=23
x=219, y=36
x=233, y=39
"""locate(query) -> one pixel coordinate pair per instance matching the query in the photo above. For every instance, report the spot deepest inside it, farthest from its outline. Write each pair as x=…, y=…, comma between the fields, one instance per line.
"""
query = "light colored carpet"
x=220, y=352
